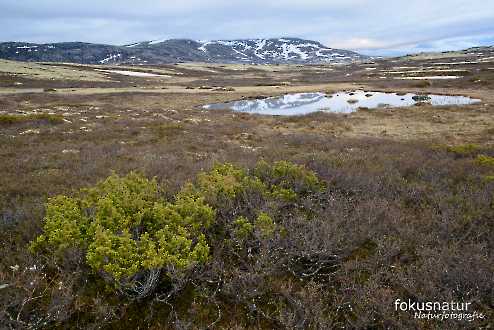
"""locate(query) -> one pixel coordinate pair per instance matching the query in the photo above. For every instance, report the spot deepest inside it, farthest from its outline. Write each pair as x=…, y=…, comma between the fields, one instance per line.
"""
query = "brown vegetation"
x=406, y=212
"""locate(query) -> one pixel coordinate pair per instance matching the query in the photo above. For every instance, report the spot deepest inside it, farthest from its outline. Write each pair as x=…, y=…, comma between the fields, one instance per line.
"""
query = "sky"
x=387, y=27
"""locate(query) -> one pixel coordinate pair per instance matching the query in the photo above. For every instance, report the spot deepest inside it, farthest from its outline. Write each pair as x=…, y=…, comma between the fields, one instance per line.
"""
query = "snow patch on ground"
x=429, y=77
x=134, y=73
x=425, y=71
x=456, y=63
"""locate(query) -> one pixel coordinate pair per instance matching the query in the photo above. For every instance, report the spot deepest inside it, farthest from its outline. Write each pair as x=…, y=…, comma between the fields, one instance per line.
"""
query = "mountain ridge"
x=284, y=50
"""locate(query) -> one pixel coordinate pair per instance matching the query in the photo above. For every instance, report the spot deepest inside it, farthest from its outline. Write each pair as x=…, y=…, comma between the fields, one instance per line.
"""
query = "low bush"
x=7, y=119
x=126, y=232
x=484, y=160
x=168, y=130
x=464, y=149
x=271, y=245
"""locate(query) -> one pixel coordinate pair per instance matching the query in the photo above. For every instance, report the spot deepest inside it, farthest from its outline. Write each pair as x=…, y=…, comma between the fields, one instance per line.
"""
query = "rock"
x=421, y=98
x=70, y=151
x=30, y=131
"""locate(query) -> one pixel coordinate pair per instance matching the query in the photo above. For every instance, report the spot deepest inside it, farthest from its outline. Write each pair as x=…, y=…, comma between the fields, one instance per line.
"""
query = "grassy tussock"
x=7, y=119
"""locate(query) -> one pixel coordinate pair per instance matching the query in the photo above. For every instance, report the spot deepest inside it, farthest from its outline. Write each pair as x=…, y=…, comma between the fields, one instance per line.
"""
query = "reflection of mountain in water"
x=285, y=102
x=343, y=102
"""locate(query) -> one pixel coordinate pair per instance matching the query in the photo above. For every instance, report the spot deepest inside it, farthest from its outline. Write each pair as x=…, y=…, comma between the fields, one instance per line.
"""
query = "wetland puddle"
x=343, y=102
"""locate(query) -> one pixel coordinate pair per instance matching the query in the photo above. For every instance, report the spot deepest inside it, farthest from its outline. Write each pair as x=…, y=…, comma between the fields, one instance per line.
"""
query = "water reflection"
x=343, y=102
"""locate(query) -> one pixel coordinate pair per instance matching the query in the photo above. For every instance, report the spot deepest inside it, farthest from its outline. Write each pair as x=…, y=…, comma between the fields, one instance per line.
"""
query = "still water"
x=343, y=102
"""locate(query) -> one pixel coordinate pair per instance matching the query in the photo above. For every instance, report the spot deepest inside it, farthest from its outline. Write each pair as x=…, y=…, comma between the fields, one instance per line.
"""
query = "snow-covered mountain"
x=258, y=51
x=280, y=50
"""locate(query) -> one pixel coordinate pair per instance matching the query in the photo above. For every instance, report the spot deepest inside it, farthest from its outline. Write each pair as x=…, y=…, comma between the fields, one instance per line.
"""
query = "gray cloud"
x=368, y=26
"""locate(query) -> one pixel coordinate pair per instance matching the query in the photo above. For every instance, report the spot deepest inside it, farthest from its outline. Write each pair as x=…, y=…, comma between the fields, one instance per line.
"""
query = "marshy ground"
x=407, y=182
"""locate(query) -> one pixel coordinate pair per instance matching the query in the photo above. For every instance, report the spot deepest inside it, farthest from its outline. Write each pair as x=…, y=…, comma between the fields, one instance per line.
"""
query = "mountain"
x=258, y=51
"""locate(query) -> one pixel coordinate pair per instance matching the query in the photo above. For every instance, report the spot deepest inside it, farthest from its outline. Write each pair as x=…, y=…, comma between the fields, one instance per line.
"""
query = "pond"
x=343, y=102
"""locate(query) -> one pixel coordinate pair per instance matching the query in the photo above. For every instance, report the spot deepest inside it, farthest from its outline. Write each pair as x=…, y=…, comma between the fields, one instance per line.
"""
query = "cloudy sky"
x=373, y=27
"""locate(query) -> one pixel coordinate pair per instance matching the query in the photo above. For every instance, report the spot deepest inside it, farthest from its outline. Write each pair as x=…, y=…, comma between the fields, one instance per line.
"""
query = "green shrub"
x=223, y=181
x=168, y=130
x=288, y=176
x=484, y=160
x=224, y=184
x=65, y=225
x=265, y=225
x=243, y=228
x=464, y=149
x=488, y=178
x=124, y=228
x=127, y=232
x=228, y=188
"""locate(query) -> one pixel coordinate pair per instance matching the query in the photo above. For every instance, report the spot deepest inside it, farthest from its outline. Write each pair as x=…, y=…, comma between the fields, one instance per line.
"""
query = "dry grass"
x=47, y=71
x=408, y=207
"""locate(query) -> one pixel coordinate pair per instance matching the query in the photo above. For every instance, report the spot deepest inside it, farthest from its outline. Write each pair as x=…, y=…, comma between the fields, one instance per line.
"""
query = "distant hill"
x=258, y=51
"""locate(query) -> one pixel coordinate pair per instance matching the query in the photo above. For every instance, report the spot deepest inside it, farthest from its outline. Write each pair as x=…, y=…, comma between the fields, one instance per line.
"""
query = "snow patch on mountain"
x=110, y=58
x=159, y=41
x=281, y=50
x=254, y=51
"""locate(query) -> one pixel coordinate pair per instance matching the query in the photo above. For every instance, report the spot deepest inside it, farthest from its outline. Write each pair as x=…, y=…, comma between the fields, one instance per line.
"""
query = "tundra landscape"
x=127, y=203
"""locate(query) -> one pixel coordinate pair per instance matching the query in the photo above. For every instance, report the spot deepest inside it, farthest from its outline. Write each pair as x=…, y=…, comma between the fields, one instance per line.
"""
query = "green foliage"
x=286, y=178
x=65, y=224
x=488, y=178
x=281, y=180
x=224, y=180
x=117, y=255
x=243, y=228
x=265, y=225
x=243, y=193
x=464, y=149
x=167, y=130
x=124, y=227
x=484, y=160
x=286, y=194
